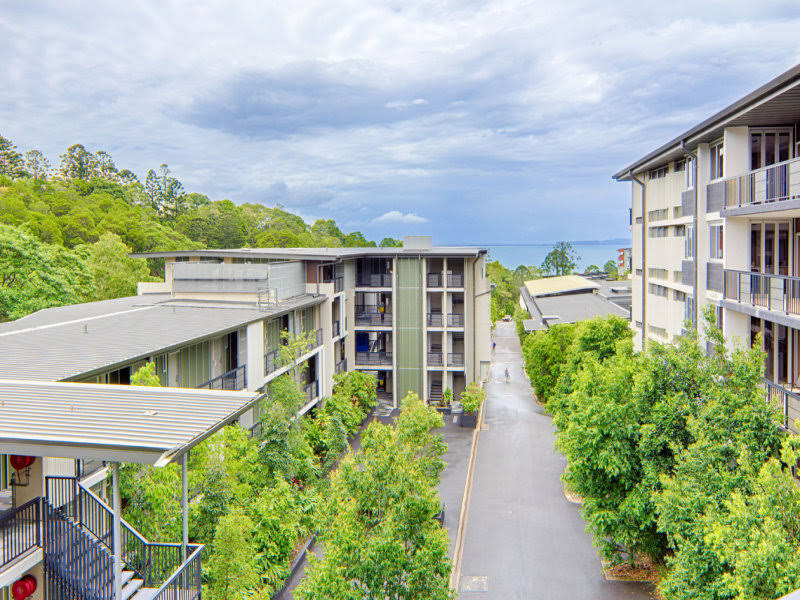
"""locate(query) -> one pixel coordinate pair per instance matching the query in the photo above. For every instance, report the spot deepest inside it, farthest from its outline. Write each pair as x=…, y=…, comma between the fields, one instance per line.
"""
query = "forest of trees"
x=66, y=230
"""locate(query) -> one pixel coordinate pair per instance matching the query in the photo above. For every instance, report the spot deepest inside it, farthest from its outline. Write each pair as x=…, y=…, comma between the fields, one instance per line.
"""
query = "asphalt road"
x=523, y=539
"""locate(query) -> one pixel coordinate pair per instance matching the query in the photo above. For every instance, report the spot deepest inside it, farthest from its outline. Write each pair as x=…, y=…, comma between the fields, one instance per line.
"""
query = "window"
x=680, y=165
x=658, y=215
x=659, y=290
x=715, y=243
x=688, y=310
x=679, y=296
x=659, y=232
x=658, y=273
x=717, y=159
x=768, y=147
x=659, y=172
x=680, y=230
x=688, y=246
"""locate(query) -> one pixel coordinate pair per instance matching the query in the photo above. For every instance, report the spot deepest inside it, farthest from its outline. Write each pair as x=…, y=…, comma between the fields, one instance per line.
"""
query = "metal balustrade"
x=773, y=292
x=272, y=361
x=341, y=366
x=20, y=531
x=435, y=359
x=233, y=380
x=374, y=358
x=781, y=399
x=455, y=280
x=338, y=284
x=374, y=280
x=311, y=390
x=455, y=320
x=434, y=280
x=336, y=329
x=435, y=319
x=186, y=582
x=371, y=315
x=455, y=359
x=765, y=185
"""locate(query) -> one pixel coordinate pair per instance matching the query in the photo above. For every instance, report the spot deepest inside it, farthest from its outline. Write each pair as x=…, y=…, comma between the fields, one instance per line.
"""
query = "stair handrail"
x=13, y=525
x=183, y=579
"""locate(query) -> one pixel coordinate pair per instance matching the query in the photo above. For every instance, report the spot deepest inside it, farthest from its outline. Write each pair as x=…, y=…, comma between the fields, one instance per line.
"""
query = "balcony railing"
x=186, y=582
x=374, y=358
x=374, y=280
x=311, y=390
x=338, y=284
x=372, y=316
x=435, y=319
x=340, y=366
x=434, y=280
x=455, y=359
x=272, y=361
x=455, y=320
x=233, y=380
x=455, y=280
x=20, y=531
x=435, y=359
x=765, y=185
x=784, y=401
x=773, y=292
x=336, y=329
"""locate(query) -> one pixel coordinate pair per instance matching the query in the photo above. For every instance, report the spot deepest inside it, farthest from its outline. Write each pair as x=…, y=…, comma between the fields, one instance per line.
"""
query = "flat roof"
x=774, y=103
x=571, y=308
x=62, y=343
x=124, y=423
x=321, y=254
x=559, y=285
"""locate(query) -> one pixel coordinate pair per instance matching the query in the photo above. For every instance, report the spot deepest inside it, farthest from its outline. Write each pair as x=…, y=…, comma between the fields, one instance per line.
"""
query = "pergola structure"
x=115, y=423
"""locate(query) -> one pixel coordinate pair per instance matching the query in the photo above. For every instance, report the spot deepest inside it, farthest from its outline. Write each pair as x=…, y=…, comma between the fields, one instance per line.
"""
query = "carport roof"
x=123, y=423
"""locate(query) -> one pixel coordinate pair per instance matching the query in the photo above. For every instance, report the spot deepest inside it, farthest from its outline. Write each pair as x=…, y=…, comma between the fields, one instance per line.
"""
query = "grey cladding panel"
x=687, y=203
x=715, y=196
x=687, y=272
x=714, y=276
x=209, y=277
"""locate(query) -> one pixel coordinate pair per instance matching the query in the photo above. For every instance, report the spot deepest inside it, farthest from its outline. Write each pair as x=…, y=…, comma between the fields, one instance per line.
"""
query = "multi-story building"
x=715, y=221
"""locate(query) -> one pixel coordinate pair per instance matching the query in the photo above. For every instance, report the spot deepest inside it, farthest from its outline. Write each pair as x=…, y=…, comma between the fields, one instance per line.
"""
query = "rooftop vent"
x=417, y=242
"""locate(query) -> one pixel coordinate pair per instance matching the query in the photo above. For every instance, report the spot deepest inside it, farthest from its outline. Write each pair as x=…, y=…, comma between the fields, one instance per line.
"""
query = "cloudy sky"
x=475, y=121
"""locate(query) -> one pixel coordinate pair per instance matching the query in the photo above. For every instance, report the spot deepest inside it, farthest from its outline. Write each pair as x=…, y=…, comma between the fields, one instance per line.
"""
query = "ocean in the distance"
x=590, y=254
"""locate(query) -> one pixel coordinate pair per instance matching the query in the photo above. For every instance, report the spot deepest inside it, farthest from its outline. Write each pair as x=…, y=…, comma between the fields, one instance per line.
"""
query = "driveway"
x=523, y=539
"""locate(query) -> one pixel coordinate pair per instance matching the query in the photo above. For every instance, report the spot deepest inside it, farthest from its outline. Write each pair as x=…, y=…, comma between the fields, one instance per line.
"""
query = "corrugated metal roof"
x=123, y=423
x=82, y=341
x=317, y=253
x=571, y=308
x=559, y=285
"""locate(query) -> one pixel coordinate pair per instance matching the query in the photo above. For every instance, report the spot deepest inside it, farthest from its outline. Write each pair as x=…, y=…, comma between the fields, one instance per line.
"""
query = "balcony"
x=373, y=316
x=773, y=292
x=374, y=280
x=455, y=320
x=455, y=280
x=374, y=359
x=785, y=402
x=434, y=280
x=776, y=183
x=272, y=361
x=233, y=380
x=435, y=359
x=340, y=366
x=435, y=320
x=455, y=359
x=311, y=390
x=20, y=531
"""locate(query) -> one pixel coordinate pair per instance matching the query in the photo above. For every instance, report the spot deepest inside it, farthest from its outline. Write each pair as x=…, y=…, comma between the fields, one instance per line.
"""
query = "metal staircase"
x=435, y=391
x=78, y=552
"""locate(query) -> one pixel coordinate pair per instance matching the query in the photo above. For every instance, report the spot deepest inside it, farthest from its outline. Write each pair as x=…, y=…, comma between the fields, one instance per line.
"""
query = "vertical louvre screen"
x=272, y=335
x=408, y=356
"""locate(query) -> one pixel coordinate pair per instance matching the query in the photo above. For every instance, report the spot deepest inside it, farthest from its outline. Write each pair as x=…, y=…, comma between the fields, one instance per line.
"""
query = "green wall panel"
x=408, y=327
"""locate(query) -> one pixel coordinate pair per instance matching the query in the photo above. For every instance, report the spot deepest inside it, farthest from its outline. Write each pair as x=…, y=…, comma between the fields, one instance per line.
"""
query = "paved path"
x=523, y=539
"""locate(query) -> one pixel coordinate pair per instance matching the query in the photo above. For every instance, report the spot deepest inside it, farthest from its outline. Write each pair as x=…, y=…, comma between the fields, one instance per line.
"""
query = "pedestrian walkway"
x=523, y=539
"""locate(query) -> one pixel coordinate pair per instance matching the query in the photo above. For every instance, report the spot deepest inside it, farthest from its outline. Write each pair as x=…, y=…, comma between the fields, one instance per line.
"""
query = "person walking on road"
x=508, y=375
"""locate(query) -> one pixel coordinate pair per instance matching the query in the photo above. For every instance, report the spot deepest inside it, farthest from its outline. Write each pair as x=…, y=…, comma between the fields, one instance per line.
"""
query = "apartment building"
x=715, y=221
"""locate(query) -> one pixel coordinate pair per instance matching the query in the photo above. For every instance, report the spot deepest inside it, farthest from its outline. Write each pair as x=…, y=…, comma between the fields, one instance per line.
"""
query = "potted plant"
x=471, y=400
x=444, y=406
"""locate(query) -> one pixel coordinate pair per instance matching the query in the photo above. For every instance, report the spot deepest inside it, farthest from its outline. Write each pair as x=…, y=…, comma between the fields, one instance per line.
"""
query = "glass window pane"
x=769, y=149
x=755, y=151
x=769, y=248
x=783, y=147
x=755, y=247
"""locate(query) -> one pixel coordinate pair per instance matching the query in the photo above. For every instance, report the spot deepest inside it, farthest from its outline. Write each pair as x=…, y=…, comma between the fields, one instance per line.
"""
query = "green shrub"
x=545, y=353
x=473, y=397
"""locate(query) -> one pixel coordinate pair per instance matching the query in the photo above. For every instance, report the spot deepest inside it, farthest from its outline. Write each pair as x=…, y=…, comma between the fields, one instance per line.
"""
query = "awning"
x=123, y=423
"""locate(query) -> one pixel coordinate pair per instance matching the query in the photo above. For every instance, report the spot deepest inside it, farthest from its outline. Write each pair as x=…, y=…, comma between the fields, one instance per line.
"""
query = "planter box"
x=468, y=420
x=445, y=410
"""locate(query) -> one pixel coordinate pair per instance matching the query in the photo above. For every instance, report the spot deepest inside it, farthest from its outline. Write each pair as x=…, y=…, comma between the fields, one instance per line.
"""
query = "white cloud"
x=395, y=216
x=406, y=103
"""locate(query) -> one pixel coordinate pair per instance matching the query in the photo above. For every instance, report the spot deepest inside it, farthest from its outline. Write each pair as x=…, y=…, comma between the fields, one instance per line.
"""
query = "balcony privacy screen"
x=408, y=326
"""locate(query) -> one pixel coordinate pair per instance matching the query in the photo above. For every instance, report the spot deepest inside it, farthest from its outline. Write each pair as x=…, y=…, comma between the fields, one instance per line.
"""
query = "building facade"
x=715, y=222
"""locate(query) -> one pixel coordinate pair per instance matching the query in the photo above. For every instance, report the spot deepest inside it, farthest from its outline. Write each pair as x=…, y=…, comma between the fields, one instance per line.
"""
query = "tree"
x=146, y=375
x=127, y=177
x=165, y=193
x=232, y=566
x=378, y=522
x=293, y=347
x=78, y=163
x=611, y=270
x=545, y=354
x=561, y=259
x=592, y=269
x=36, y=164
x=11, y=163
x=106, y=169
x=389, y=242
x=115, y=272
